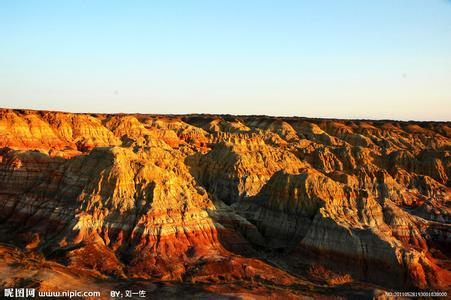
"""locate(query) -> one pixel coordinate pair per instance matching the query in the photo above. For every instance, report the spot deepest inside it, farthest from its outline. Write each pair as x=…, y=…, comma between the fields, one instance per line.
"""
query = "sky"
x=384, y=59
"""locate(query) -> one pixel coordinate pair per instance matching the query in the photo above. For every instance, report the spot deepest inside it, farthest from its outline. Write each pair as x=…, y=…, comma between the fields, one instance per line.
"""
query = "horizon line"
x=208, y=114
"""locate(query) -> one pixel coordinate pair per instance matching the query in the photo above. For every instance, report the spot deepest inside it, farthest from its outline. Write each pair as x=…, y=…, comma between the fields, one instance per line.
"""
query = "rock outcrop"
x=221, y=199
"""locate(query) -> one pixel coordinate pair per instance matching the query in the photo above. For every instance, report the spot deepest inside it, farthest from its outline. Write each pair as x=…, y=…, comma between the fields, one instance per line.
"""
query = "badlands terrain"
x=220, y=206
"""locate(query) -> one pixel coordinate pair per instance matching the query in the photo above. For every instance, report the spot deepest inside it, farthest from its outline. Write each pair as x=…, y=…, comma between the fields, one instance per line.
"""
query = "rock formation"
x=245, y=203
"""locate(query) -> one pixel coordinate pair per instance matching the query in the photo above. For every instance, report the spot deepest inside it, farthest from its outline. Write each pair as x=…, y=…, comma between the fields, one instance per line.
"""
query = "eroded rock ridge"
x=221, y=198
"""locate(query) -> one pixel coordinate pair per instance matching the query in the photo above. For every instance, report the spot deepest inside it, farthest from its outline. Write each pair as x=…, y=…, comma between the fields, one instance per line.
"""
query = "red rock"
x=224, y=199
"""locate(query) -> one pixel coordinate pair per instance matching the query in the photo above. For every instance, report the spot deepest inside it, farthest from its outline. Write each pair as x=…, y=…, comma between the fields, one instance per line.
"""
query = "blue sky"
x=347, y=59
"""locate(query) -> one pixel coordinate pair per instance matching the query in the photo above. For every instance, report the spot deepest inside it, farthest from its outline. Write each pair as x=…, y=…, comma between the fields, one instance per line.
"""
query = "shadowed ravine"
x=224, y=206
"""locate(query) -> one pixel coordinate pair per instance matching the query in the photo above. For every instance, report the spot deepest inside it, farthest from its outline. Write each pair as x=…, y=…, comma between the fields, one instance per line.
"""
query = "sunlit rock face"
x=202, y=198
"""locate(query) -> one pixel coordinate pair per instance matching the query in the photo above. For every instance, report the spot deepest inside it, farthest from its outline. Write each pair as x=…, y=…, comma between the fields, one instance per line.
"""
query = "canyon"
x=223, y=206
